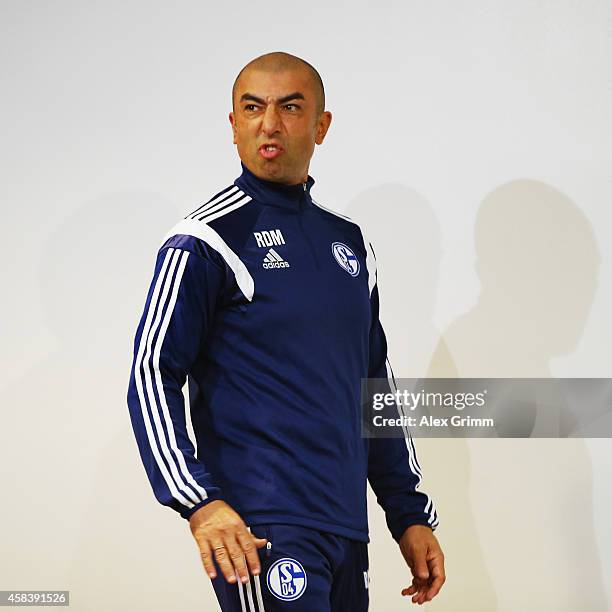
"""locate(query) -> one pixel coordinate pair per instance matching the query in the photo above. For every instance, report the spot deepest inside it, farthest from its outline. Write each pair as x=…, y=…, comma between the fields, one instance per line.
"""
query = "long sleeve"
x=179, y=308
x=393, y=468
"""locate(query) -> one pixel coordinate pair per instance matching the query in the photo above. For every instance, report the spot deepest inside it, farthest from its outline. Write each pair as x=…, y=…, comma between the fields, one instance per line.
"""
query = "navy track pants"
x=302, y=570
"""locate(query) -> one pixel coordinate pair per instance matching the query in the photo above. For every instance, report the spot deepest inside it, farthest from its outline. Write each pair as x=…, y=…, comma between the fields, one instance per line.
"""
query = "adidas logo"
x=274, y=260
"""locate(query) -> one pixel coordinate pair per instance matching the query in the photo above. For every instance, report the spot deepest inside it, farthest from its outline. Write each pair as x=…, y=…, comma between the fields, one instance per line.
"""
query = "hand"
x=425, y=558
x=219, y=530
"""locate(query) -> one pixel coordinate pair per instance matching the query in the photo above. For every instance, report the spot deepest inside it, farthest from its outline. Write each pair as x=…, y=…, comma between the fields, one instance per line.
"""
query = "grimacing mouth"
x=271, y=146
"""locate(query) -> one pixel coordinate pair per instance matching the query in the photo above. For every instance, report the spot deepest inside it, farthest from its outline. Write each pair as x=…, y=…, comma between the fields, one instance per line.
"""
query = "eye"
x=249, y=107
x=294, y=107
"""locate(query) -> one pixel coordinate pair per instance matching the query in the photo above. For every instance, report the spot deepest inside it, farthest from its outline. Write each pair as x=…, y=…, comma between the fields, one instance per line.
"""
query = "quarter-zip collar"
x=294, y=197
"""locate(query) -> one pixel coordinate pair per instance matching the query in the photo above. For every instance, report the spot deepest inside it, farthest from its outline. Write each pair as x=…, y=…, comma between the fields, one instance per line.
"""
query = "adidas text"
x=274, y=260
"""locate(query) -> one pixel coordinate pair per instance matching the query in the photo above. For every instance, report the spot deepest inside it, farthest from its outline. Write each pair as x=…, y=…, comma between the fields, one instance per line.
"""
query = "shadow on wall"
x=77, y=514
x=405, y=234
x=538, y=262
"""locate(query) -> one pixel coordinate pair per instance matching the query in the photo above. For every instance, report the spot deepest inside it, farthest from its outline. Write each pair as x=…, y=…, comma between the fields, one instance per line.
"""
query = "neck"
x=294, y=196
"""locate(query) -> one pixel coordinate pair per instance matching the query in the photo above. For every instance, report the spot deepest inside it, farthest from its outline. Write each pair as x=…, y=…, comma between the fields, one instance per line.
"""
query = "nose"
x=271, y=120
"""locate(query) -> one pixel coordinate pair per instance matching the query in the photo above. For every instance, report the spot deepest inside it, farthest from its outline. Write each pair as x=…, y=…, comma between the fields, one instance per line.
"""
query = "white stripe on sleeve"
x=198, y=229
x=160, y=387
x=160, y=290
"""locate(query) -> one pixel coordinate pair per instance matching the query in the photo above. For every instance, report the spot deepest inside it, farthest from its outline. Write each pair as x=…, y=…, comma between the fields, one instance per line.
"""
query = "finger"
x=439, y=578
x=412, y=589
x=425, y=589
x=223, y=561
x=420, y=588
x=420, y=570
x=236, y=557
x=259, y=542
x=421, y=598
x=409, y=591
x=249, y=548
x=207, y=560
x=434, y=589
x=417, y=597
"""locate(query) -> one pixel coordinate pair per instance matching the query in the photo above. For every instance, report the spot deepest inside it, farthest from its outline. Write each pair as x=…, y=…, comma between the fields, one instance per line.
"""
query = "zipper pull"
x=304, y=186
x=269, y=545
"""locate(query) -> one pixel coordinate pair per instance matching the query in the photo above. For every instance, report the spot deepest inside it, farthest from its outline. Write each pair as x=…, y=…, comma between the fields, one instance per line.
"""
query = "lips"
x=270, y=150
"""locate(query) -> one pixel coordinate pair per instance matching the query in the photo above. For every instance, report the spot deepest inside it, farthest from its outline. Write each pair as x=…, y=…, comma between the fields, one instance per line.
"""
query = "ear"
x=232, y=120
x=322, y=126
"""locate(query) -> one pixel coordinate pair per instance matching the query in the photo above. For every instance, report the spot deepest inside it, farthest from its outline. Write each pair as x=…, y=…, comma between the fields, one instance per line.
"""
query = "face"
x=276, y=125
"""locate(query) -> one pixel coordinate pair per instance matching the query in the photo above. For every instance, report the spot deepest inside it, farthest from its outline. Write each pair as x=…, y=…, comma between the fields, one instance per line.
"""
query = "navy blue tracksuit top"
x=267, y=304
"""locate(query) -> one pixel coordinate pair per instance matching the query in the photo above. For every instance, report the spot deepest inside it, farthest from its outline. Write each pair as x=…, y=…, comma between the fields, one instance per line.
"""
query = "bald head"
x=279, y=61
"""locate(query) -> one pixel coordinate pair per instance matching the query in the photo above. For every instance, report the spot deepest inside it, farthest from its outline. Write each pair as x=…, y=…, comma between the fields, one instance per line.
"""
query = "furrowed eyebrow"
x=296, y=95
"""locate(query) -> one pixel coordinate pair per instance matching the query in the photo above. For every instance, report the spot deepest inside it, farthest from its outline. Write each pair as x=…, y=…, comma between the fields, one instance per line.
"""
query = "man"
x=267, y=303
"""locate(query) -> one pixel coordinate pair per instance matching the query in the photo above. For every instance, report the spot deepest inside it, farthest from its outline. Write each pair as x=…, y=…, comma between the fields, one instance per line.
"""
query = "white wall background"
x=448, y=117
